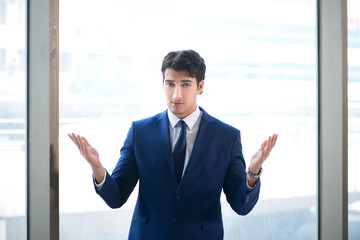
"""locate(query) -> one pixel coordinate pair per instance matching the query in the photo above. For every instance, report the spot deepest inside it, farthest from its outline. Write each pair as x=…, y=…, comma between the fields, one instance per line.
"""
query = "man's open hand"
x=260, y=156
x=90, y=154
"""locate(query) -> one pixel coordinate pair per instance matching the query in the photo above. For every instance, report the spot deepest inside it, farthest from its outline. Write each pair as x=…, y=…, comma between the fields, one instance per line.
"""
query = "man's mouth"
x=176, y=103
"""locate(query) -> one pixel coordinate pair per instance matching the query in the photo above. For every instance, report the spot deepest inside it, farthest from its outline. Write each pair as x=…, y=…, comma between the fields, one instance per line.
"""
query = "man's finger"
x=77, y=140
x=263, y=148
x=275, y=139
x=85, y=142
x=73, y=138
x=82, y=145
x=272, y=142
x=267, y=149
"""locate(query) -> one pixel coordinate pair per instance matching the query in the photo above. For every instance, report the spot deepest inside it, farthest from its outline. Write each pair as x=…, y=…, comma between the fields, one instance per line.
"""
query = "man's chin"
x=177, y=113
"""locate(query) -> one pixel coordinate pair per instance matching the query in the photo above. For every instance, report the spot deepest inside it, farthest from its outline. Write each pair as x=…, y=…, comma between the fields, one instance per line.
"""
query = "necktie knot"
x=182, y=124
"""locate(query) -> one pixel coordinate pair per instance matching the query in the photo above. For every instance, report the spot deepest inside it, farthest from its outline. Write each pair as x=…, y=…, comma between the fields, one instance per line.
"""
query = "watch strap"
x=254, y=175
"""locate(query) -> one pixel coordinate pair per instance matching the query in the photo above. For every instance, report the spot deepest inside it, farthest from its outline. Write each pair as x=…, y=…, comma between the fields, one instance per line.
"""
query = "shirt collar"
x=189, y=120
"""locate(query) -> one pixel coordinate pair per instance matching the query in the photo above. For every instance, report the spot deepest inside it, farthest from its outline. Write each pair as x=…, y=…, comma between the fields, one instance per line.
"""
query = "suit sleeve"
x=119, y=185
x=240, y=199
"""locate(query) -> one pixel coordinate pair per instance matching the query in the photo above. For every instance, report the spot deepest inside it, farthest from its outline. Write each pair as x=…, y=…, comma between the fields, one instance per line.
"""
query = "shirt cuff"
x=248, y=188
x=100, y=185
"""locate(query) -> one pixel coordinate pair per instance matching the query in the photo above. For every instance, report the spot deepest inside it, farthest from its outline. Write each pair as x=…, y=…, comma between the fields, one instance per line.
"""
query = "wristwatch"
x=253, y=175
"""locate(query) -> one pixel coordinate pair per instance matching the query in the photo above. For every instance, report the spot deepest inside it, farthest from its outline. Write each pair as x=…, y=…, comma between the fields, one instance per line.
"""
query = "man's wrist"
x=99, y=174
x=254, y=175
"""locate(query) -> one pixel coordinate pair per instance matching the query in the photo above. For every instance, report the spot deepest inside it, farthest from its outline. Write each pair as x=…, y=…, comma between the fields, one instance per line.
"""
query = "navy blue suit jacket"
x=190, y=210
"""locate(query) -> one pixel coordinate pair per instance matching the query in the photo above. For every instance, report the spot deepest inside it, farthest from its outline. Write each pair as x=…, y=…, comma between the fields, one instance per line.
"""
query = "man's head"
x=187, y=60
x=183, y=80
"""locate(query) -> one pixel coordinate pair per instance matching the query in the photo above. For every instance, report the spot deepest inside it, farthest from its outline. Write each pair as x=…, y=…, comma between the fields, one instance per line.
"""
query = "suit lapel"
x=163, y=136
x=206, y=130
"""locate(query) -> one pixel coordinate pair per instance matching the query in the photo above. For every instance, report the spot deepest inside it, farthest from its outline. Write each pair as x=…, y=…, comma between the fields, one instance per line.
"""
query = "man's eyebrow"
x=185, y=80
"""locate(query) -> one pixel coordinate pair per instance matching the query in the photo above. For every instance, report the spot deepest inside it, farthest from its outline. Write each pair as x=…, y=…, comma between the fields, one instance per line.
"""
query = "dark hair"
x=188, y=60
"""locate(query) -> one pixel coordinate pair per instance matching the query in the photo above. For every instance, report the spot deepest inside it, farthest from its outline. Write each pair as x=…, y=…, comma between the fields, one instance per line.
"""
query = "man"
x=181, y=166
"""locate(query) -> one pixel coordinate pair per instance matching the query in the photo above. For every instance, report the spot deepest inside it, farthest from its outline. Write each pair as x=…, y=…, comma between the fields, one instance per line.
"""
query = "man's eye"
x=186, y=84
x=170, y=84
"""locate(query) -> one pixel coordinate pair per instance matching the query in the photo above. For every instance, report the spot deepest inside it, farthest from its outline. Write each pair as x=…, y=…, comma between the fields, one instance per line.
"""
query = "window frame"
x=43, y=119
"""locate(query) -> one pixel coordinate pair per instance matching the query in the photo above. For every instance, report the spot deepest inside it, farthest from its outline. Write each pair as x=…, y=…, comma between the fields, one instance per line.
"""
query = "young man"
x=181, y=166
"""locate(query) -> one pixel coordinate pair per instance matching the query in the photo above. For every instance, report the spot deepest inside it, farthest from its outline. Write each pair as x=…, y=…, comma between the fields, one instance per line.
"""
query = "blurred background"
x=261, y=78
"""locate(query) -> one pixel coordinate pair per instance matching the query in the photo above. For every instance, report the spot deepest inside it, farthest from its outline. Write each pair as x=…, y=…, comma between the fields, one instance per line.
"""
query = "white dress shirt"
x=192, y=126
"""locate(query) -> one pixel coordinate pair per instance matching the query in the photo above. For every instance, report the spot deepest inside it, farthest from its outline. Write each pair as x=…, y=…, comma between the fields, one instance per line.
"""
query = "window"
x=261, y=78
x=12, y=129
x=65, y=62
x=21, y=61
x=2, y=59
x=354, y=114
x=3, y=12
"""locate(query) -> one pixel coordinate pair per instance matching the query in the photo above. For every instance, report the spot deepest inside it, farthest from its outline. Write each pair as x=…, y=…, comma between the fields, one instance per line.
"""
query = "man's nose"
x=177, y=93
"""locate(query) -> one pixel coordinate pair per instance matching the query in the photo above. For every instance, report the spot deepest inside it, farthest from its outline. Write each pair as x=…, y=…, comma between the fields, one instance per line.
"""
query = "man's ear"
x=200, y=87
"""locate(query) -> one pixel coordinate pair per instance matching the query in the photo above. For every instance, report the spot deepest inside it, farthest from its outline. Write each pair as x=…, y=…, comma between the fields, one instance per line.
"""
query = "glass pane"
x=261, y=78
x=12, y=120
x=354, y=118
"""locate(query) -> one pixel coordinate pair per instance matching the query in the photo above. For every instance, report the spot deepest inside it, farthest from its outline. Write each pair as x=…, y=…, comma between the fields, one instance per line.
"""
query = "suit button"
x=174, y=220
x=178, y=197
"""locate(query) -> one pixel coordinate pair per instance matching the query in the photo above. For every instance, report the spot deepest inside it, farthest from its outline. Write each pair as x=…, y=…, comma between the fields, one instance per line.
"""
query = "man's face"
x=181, y=92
